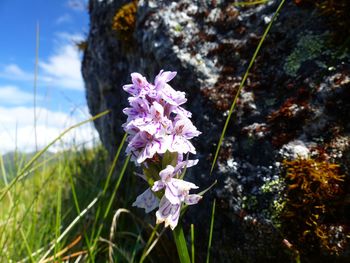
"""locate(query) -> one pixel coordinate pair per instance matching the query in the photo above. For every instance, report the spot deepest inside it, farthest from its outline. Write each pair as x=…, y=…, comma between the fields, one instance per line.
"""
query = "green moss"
x=249, y=202
x=309, y=47
x=178, y=28
x=273, y=186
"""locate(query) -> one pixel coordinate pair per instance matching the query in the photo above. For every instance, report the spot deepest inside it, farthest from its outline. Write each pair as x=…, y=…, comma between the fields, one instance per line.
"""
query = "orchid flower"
x=176, y=190
x=159, y=132
x=183, y=131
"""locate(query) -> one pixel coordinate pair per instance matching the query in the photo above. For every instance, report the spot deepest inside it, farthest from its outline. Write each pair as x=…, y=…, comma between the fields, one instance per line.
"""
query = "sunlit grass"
x=61, y=206
x=39, y=204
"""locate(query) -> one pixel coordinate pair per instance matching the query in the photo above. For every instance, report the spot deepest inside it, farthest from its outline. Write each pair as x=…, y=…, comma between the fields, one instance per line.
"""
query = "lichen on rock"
x=124, y=21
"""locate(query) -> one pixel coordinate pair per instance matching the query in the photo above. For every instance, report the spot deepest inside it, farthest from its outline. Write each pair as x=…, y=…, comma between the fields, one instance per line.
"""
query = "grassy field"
x=74, y=206
x=41, y=206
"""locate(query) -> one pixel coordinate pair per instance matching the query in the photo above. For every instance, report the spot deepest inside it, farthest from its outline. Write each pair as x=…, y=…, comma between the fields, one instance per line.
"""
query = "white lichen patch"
x=294, y=149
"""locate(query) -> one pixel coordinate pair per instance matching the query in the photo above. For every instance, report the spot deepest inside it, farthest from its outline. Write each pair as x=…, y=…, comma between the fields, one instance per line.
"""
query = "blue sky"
x=60, y=90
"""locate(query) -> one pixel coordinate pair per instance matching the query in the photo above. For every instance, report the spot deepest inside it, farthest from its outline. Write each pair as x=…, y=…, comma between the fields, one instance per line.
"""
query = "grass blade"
x=242, y=84
x=71, y=225
x=144, y=253
x=117, y=186
x=12, y=204
x=109, y=176
x=121, y=175
x=114, y=163
x=77, y=207
x=211, y=231
x=35, y=86
x=258, y=2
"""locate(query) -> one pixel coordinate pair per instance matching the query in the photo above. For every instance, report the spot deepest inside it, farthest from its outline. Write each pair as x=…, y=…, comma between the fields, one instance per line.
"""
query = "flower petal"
x=181, y=145
x=163, y=77
x=187, y=164
x=167, y=173
x=147, y=200
x=168, y=213
x=138, y=80
x=183, y=185
x=158, y=185
x=192, y=199
x=132, y=89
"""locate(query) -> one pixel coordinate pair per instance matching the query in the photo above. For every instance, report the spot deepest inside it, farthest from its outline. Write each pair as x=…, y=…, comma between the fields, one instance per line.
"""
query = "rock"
x=296, y=101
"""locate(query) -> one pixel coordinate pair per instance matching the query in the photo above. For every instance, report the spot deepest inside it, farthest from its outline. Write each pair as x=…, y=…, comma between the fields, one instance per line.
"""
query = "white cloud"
x=78, y=5
x=63, y=68
x=17, y=128
x=65, y=18
x=14, y=72
x=68, y=38
x=12, y=95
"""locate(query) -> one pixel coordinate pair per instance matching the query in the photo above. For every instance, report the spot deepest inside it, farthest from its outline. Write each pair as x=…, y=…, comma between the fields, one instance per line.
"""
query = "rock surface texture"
x=295, y=105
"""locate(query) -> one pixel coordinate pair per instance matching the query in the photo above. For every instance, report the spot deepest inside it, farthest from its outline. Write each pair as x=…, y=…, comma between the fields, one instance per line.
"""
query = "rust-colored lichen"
x=222, y=93
x=124, y=21
x=311, y=218
x=285, y=123
x=338, y=12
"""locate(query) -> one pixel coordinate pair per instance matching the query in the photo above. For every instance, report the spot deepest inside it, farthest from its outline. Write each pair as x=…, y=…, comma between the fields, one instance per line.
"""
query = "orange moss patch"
x=124, y=21
x=315, y=179
x=311, y=220
x=81, y=45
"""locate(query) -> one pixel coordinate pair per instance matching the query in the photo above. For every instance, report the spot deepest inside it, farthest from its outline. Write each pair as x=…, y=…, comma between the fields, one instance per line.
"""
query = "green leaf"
x=181, y=245
x=151, y=173
x=169, y=158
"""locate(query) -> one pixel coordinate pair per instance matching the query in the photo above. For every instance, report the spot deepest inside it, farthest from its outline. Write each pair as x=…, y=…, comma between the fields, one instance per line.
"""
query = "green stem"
x=192, y=243
x=181, y=245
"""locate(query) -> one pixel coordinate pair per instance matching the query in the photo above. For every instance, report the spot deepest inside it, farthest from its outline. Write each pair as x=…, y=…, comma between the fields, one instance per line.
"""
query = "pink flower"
x=147, y=200
x=176, y=190
x=159, y=133
x=168, y=213
x=139, y=108
x=183, y=131
x=155, y=123
x=152, y=145
x=139, y=86
x=162, y=78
